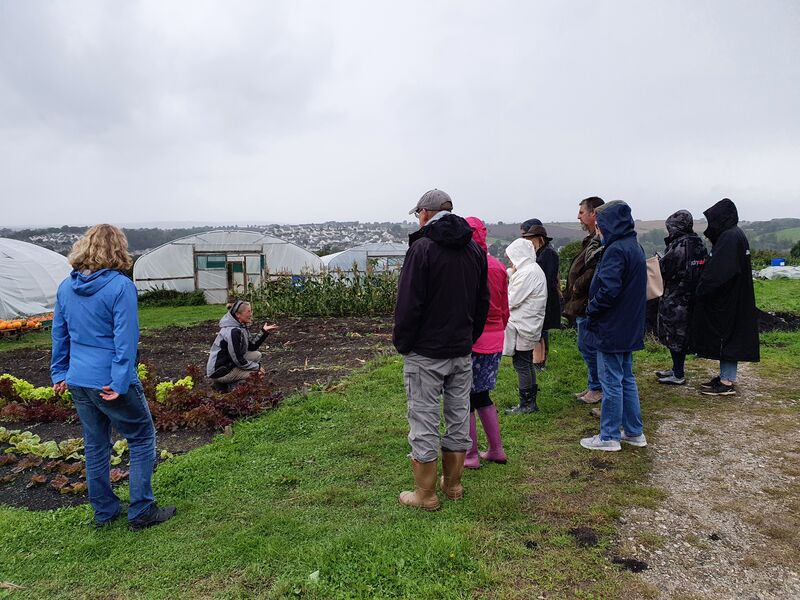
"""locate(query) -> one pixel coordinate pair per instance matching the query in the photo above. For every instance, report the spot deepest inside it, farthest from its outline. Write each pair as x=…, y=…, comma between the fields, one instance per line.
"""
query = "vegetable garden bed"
x=304, y=353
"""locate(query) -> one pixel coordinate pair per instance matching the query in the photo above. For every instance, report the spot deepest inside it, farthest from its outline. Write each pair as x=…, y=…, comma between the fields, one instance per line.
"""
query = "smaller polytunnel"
x=29, y=278
x=219, y=261
x=380, y=256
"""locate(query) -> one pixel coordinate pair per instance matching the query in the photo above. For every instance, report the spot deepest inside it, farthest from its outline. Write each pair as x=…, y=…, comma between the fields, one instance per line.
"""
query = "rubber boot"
x=471, y=460
x=452, y=468
x=527, y=402
x=488, y=416
x=424, y=495
x=532, y=393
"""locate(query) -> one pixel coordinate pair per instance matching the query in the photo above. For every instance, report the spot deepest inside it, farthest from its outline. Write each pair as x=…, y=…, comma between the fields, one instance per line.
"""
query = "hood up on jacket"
x=520, y=251
x=449, y=230
x=615, y=221
x=228, y=320
x=89, y=285
x=721, y=217
x=478, y=232
x=679, y=224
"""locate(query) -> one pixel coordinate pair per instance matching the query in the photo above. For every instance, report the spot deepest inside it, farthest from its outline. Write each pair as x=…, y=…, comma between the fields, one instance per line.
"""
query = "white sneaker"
x=638, y=440
x=595, y=443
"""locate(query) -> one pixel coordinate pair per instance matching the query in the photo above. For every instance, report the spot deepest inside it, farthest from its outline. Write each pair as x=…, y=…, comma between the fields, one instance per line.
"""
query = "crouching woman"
x=234, y=354
x=95, y=338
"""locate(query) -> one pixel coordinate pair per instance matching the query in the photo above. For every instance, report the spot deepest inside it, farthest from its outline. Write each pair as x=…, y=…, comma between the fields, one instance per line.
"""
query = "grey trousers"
x=238, y=374
x=426, y=381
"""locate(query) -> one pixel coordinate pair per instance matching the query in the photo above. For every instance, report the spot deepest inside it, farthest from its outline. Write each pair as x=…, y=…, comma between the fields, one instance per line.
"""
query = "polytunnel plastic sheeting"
x=171, y=266
x=29, y=278
x=780, y=273
x=361, y=254
x=288, y=258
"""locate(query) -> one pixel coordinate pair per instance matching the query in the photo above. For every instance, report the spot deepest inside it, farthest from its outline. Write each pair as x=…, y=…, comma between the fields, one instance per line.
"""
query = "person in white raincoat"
x=527, y=301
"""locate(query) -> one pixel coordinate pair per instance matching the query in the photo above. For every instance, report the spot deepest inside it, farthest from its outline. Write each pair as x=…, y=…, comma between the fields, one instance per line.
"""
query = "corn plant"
x=338, y=293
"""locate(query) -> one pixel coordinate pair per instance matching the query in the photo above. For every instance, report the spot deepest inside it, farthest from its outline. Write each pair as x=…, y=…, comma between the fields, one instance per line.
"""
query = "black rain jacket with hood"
x=725, y=318
x=681, y=267
x=442, y=296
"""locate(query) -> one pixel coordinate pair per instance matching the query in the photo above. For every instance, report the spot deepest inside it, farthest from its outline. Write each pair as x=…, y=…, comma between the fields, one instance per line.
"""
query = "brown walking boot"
x=452, y=468
x=424, y=495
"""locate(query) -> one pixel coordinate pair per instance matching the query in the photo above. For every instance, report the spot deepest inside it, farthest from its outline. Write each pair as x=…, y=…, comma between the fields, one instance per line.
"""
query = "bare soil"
x=731, y=525
x=303, y=353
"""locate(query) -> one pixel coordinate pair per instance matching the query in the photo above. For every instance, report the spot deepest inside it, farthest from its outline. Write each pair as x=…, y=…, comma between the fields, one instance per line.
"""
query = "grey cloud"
x=311, y=111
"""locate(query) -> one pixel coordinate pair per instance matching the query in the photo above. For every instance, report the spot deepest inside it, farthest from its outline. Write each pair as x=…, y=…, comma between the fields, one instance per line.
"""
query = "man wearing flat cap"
x=442, y=303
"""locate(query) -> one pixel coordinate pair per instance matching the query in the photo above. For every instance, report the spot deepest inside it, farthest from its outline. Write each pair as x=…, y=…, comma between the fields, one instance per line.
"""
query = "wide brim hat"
x=537, y=231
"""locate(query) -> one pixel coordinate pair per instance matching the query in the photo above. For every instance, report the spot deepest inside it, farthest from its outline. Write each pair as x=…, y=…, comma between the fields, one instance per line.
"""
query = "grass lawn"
x=150, y=317
x=302, y=502
x=778, y=295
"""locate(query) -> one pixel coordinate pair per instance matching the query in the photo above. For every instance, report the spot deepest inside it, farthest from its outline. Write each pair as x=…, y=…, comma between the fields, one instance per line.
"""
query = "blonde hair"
x=101, y=247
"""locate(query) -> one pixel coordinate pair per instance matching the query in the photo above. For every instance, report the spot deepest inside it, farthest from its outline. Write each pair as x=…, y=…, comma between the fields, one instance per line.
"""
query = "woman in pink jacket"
x=486, y=355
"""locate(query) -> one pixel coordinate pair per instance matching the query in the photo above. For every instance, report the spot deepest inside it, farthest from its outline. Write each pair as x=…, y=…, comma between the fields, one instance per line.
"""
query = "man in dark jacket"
x=725, y=321
x=442, y=303
x=547, y=259
x=615, y=327
x=576, y=294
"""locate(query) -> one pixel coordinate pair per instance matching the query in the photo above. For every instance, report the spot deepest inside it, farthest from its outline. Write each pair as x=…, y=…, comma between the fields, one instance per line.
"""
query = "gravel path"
x=730, y=527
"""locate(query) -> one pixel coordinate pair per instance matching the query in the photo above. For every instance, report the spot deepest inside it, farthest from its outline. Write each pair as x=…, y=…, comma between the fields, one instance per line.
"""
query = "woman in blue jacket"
x=95, y=337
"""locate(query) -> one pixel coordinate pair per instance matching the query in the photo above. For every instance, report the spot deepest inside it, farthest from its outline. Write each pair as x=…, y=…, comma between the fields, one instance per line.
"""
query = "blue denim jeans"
x=620, y=395
x=589, y=354
x=727, y=370
x=130, y=417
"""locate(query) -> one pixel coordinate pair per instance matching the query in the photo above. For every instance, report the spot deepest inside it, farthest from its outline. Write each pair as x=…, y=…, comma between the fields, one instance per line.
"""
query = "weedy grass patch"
x=778, y=295
x=302, y=502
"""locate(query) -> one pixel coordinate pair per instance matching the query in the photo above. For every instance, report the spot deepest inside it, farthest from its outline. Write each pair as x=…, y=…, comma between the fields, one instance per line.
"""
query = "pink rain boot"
x=491, y=426
x=471, y=460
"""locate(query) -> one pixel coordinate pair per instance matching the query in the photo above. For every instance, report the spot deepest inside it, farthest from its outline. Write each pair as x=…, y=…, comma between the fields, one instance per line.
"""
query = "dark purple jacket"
x=443, y=296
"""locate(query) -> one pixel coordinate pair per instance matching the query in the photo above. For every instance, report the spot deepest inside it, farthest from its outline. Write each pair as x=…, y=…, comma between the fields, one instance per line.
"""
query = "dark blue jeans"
x=130, y=417
x=620, y=395
x=589, y=354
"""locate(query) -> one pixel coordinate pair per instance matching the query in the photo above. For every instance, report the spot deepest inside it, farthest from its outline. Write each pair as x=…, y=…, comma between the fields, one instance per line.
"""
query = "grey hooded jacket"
x=230, y=346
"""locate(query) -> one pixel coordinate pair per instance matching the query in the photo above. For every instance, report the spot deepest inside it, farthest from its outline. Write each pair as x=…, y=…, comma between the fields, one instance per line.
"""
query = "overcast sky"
x=311, y=111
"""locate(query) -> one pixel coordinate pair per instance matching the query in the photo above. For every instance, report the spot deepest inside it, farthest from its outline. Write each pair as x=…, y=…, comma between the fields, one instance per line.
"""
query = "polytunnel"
x=219, y=261
x=29, y=278
x=379, y=256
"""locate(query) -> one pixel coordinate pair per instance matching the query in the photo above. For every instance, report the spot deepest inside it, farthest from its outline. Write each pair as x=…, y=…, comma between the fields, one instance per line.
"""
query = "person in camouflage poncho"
x=681, y=266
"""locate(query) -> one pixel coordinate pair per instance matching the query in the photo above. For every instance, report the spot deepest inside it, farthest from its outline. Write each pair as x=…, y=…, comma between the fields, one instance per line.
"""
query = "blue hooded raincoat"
x=618, y=292
x=96, y=331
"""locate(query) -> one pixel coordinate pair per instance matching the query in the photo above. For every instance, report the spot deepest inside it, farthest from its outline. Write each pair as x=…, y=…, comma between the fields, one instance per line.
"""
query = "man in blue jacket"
x=442, y=303
x=615, y=327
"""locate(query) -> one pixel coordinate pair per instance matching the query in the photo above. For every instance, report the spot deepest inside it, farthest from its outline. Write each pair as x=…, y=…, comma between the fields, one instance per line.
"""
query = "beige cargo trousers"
x=426, y=381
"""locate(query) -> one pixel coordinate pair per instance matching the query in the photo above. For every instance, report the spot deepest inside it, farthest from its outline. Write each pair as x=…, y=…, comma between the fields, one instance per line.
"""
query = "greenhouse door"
x=235, y=267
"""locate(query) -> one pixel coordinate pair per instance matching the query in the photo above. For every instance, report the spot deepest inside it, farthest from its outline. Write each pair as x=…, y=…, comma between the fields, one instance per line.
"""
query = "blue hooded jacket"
x=618, y=292
x=96, y=331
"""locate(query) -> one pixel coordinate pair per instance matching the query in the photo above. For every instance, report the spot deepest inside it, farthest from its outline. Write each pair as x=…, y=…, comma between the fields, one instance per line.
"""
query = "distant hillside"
x=776, y=236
